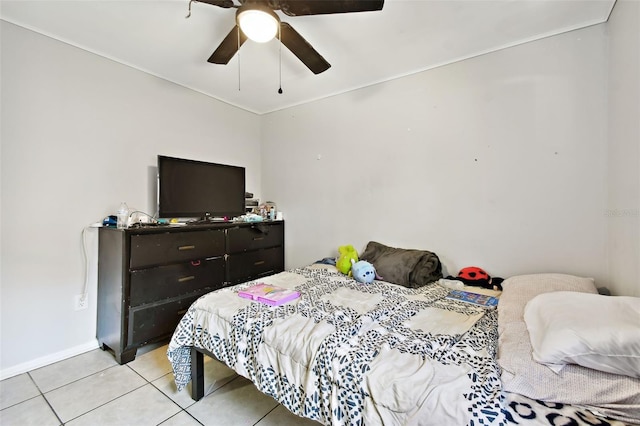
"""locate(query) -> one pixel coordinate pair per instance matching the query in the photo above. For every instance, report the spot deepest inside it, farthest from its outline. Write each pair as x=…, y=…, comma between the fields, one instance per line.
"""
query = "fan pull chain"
x=280, y=57
x=239, y=58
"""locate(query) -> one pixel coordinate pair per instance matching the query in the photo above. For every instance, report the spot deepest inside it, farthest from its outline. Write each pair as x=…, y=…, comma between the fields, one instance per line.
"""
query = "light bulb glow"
x=257, y=25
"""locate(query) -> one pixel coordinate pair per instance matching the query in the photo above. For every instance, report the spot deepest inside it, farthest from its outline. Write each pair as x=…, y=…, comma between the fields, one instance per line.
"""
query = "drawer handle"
x=182, y=312
x=186, y=247
x=258, y=238
x=259, y=262
x=184, y=279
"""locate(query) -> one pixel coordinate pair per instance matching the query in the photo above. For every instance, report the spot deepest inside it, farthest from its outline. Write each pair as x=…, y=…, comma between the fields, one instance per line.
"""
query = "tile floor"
x=92, y=389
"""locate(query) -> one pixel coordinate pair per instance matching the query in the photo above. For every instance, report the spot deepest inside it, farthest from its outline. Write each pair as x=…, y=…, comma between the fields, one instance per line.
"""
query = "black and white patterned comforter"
x=347, y=353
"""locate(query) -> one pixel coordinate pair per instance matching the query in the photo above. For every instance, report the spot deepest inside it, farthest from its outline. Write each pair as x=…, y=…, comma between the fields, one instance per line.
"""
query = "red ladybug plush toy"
x=472, y=275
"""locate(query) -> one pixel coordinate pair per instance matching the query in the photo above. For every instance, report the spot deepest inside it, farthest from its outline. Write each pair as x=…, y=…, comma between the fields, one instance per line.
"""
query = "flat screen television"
x=199, y=189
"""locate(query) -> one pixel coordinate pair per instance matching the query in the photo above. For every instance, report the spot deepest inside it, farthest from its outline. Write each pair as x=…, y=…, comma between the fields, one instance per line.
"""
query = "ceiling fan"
x=257, y=20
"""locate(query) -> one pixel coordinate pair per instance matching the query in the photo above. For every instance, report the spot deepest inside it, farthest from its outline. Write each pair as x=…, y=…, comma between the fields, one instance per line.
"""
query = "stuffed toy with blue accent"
x=348, y=254
x=363, y=271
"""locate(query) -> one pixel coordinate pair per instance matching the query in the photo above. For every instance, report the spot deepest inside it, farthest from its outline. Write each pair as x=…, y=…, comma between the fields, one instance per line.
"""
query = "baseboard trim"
x=49, y=359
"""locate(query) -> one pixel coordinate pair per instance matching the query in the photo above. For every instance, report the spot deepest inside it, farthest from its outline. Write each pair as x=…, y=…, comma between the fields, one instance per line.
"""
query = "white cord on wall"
x=85, y=289
x=87, y=265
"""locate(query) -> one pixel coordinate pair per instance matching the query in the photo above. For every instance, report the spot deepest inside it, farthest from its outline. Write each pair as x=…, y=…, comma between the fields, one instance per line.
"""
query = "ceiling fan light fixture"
x=259, y=24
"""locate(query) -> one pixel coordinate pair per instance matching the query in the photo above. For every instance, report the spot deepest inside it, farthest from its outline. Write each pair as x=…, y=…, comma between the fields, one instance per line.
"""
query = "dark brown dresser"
x=148, y=277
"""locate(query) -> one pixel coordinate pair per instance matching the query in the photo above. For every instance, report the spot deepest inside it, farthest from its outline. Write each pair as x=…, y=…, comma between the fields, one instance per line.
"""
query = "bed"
x=347, y=353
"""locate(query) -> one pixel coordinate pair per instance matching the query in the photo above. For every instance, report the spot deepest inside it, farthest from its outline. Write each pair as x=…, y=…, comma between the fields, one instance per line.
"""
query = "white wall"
x=496, y=161
x=80, y=134
x=623, y=209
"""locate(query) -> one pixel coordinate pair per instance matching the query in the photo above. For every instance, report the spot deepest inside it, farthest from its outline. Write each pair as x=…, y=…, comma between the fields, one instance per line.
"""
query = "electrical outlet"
x=80, y=302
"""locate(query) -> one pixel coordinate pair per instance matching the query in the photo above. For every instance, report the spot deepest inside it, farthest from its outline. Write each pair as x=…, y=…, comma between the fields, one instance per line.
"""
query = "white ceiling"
x=405, y=37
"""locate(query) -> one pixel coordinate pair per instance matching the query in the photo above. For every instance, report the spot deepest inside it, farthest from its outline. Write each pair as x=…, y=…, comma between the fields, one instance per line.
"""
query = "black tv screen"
x=198, y=189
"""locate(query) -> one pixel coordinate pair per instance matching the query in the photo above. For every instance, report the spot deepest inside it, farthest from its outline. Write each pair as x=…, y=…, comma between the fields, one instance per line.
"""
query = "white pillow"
x=591, y=330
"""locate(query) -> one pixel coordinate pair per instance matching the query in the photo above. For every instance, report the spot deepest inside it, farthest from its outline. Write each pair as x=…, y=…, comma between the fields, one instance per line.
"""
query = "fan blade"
x=228, y=47
x=323, y=7
x=302, y=49
x=221, y=3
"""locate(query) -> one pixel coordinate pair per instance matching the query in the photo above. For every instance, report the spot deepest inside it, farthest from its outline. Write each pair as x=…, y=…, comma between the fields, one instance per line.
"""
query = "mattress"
x=347, y=353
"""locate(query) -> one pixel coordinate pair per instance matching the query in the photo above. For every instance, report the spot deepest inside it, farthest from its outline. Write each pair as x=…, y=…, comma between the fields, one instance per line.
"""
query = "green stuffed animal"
x=343, y=262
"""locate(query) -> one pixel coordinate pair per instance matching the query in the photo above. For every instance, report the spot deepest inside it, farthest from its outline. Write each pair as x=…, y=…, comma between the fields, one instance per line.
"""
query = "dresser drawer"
x=164, y=282
x=254, y=237
x=255, y=264
x=172, y=247
x=151, y=323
